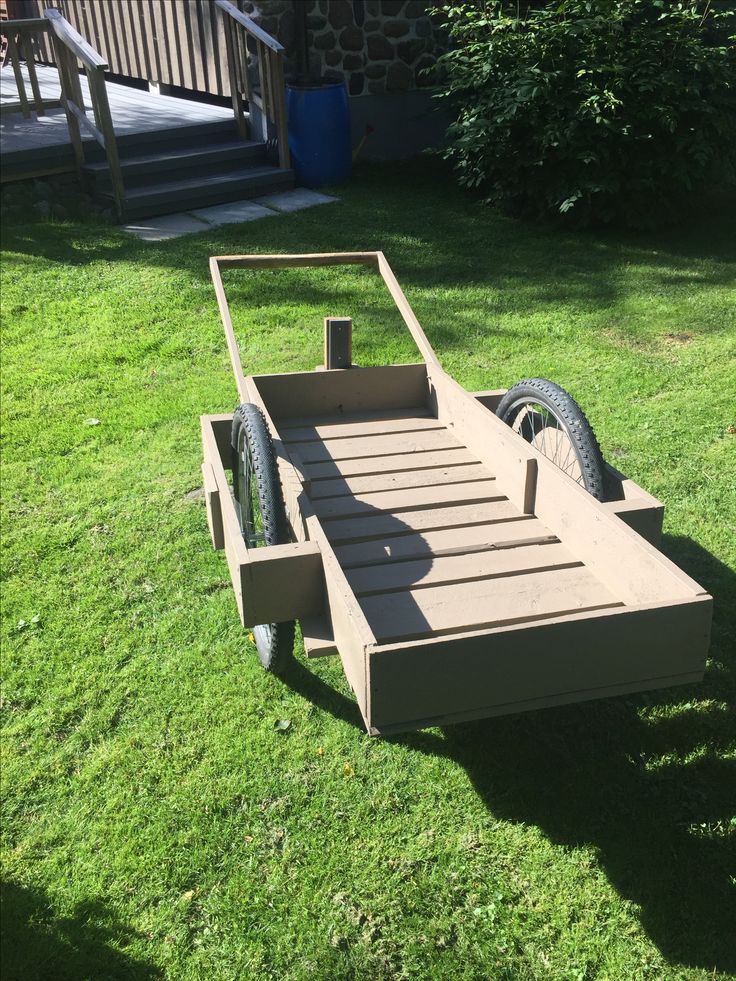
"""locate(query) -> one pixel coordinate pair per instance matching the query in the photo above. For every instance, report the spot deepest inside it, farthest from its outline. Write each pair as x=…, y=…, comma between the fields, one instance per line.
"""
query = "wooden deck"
x=40, y=143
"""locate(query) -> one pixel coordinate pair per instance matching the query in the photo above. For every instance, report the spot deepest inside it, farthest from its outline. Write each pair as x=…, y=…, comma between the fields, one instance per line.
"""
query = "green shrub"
x=601, y=110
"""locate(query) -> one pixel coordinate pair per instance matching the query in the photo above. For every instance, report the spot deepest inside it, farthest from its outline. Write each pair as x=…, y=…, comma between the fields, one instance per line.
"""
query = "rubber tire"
x=275, y=641
x=573, y=419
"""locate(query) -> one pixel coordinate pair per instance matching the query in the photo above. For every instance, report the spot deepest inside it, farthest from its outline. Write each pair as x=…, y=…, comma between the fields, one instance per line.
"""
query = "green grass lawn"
x=155, y=823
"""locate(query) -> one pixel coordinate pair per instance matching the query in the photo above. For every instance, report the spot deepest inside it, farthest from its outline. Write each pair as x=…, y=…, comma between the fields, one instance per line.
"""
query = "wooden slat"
x=19, y=80
x=408, y=499
x=396, y=481
x=342, y=430
x=472, y=538
x=232, y=62
x=454, y=608
x=383, y=525
x=432, y=571
x=402, y=463
x=31, y=69
x=391, y=444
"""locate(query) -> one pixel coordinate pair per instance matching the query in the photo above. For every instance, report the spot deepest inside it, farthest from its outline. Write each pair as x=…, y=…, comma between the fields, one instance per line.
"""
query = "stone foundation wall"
x=377, y=46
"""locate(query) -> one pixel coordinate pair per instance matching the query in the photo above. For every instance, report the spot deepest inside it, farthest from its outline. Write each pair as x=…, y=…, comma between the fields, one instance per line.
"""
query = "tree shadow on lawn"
x=462, y=243
x=644, y=780
x=38, y=945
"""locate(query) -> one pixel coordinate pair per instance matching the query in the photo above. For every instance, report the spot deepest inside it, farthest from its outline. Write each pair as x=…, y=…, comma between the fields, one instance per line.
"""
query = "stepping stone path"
x=202, y=219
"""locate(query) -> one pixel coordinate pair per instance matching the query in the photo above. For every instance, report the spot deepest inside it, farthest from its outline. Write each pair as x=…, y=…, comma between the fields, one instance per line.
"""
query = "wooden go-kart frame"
x=482, y=622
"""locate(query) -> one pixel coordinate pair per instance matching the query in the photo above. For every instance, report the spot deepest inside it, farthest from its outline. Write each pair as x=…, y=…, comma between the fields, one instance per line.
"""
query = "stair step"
x=197, y=192
x=149, y=168
x=172, y=136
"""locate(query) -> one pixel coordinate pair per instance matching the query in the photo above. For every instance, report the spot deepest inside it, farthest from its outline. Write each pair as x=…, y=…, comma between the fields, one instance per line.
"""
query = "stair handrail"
x=271, y=100
x=20, y=35
x=70, y=48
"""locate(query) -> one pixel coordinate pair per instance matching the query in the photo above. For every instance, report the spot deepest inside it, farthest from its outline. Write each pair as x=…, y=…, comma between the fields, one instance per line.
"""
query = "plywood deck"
x=429, y=543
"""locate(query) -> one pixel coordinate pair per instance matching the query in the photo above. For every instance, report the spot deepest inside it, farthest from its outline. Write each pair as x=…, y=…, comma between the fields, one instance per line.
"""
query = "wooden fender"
x=274, y=584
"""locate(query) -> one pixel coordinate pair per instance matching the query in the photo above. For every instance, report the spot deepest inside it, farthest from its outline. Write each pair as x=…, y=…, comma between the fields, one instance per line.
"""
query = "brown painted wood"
x=513, y=669
x=384, y=465
x=404, y=480
x=360, y=389
x=363, y=528
x=510, y=533
x=374, y=447
x=214, y=511
x=327, y=426
x=338, y=342
x=319, y=641
x=449, y=594
x=401, y=501
x=466, y=567
x=453, y=608
x=271, y=584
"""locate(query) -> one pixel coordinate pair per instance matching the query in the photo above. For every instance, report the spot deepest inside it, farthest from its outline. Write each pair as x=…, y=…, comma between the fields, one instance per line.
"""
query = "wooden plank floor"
x=428, y=541
x=133, y=111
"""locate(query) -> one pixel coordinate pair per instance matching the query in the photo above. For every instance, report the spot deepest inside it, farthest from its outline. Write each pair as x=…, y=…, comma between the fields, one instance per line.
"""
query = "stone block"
x=396, y=28
x=325, y=41
x=410, y=50
x=399, y=77
x=351, y=39
x=380, y=48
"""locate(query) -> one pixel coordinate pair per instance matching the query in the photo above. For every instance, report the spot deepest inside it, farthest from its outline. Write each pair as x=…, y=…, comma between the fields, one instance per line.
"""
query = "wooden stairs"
x=186, y=168
x=152, y=170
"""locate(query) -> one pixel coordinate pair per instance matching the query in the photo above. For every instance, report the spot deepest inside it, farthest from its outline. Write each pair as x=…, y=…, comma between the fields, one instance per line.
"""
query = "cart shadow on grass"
x=38, y=945
x=650, y=790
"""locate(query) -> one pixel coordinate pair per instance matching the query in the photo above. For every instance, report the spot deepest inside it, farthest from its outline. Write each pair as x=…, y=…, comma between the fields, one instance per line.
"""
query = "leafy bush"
x=601, y=110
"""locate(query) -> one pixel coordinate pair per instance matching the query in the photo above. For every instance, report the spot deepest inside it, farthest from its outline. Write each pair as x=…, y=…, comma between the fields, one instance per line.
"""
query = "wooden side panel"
x=631, y=568
x=504, y=670
x=336, y=392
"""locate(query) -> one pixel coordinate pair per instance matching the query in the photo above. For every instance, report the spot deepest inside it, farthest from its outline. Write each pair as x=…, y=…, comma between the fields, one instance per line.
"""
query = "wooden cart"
x=456, y=570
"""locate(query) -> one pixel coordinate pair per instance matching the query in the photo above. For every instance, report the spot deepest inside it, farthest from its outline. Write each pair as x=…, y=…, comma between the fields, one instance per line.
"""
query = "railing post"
x=19, y=81
x=67, y=94
x=103, y=117
x=282, y=127
x=231, y=46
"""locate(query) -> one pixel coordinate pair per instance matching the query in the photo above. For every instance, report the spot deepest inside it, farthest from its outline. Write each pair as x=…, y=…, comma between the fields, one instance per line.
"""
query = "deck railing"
x=21, y=37
x=70, y=49
x=242, y=38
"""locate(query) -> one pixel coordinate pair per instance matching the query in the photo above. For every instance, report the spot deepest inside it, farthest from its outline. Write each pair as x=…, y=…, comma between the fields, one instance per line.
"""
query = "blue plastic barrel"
x=319, y=133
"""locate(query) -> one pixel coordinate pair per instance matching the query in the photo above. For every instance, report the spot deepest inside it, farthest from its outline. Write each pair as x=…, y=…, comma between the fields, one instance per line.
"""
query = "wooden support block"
x=214, y=511
x=338, y=342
